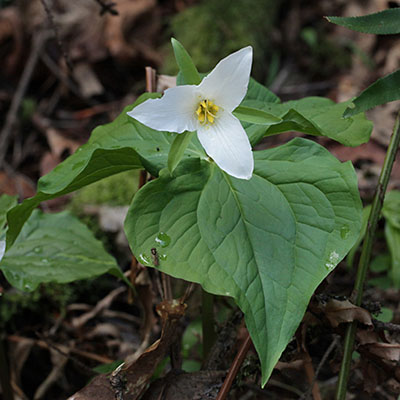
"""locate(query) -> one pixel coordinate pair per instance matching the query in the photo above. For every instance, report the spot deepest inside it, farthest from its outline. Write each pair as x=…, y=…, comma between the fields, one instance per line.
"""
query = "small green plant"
x=261, y=227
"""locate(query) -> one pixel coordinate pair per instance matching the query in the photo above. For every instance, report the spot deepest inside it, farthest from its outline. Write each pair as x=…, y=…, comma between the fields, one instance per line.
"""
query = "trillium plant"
x=263, y=227
x=207, y=108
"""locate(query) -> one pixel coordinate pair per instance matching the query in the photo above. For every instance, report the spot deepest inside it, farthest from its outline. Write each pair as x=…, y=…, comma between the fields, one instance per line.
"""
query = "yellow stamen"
x=207, y=112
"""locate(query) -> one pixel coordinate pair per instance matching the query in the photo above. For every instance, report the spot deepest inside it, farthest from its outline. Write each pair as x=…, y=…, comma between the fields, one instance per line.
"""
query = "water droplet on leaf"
x=163, y=239
x=144, y=259
x=344, y=231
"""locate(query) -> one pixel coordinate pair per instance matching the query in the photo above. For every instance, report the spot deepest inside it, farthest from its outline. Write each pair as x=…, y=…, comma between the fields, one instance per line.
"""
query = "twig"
x=54, y=28
x=311, y=376
x=366, y=255
x=45, y=344
x=54, y=68
x=166, y=284
x=20, y=93
x=188, y=292
x=233, y=370
x=334, y=343
x=98, y=308
x=150, y=79
x=385, y=326
x=107, y=7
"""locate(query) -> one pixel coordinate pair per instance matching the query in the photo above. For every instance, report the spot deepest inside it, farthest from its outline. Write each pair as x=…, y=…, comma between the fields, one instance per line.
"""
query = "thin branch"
x=54, y=28
x=385, y=326
x=107, y=7
x=331, y=347
x=23, y=83
x=189, y=290
x=357, y=294
x=233, y=370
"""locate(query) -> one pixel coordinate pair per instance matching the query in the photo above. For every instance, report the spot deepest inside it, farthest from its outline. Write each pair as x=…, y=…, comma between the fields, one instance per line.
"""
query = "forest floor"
x=69, y=66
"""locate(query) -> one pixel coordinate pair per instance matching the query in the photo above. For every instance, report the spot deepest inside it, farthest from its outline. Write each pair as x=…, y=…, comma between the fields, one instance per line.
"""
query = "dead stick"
x=233, y=370
x=334, y=343
x=60, y=43
x=150, y=86
x=20, y=93
x=150, y=79
x=189, y=290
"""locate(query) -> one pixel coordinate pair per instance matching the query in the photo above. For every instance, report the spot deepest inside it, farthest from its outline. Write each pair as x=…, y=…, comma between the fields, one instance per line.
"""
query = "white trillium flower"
x=207, y=108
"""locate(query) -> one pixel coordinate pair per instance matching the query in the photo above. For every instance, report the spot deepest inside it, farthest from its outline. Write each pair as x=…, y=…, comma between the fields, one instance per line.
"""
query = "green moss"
x=116, y=190
x=214, y=29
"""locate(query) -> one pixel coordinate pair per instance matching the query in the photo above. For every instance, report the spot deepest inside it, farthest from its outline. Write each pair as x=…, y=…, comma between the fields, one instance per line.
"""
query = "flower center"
x=207, y=112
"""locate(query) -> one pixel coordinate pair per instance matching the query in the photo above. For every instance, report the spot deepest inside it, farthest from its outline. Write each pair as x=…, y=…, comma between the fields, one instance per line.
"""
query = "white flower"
x=207, y=108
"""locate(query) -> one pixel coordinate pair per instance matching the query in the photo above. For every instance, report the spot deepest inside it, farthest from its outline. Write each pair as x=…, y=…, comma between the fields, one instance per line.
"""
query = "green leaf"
x=391, y=208
x=259, y=92
x=185, y=63
x=315, y=116
x=108, y=368
x=392, y=235
x=380, y=263
x=6, y=203
x=386, y=22
x=382, y=91
x=121, y=145
x=386, y=315
x=365, y=215
x=255, y=116
x=177, y=150
x=55, y=248
x=267, y=242
x=391, y=212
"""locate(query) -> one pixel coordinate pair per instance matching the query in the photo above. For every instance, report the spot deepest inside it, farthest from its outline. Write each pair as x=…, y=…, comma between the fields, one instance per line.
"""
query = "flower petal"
x=174, y=112
x=226, y=85
x=226, y=142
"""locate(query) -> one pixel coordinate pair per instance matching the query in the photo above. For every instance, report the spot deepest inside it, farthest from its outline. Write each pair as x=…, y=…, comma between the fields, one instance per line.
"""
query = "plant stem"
x=357, y=294
x=207, y=319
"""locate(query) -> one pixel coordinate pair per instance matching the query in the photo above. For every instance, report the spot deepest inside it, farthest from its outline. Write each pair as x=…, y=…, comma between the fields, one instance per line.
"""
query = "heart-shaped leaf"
x=55, y=248
x=267, y=242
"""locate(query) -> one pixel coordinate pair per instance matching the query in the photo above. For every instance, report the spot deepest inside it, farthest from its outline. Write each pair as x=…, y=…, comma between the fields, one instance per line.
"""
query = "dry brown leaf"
x=365, y=336
x=385, y=351
x=15, y=184
x=89, y=84
x=120, y=30
x=379, y=362
x=132, y=379
x=339, y=311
